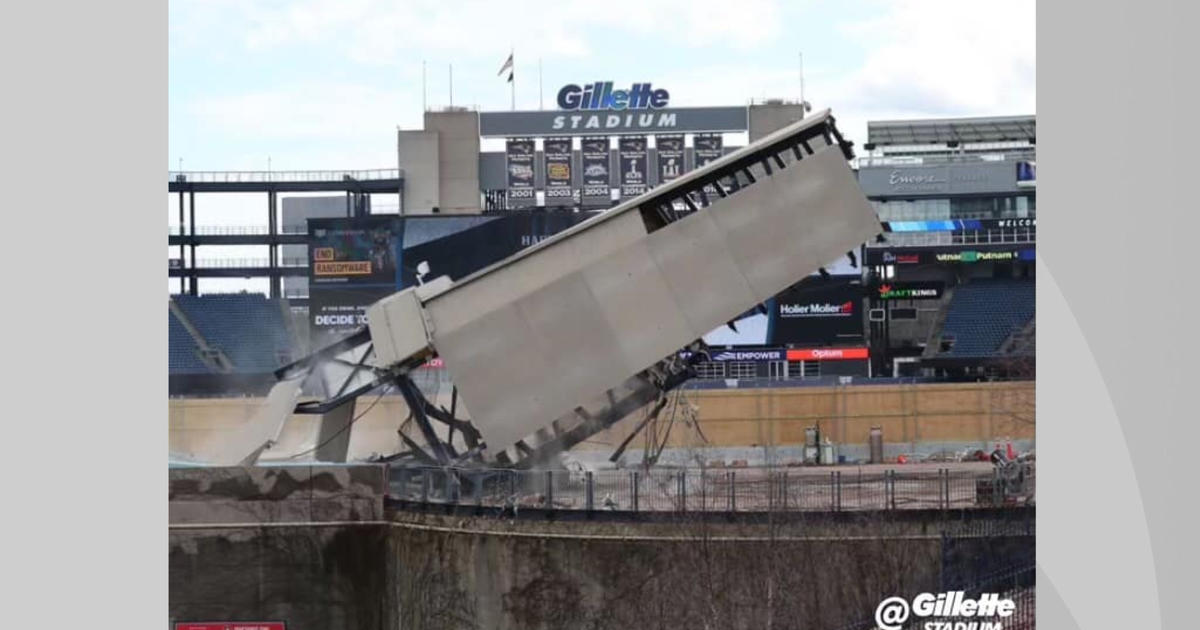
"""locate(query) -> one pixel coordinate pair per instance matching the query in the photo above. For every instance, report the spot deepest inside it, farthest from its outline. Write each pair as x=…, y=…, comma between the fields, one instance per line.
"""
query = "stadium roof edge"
x=937, y=131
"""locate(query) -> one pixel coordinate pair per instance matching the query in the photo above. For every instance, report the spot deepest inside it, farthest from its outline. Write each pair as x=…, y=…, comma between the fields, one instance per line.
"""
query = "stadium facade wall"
x=738, y=423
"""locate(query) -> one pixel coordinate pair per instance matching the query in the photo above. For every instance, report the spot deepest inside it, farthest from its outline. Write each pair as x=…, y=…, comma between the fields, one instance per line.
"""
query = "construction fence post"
x=478, y=482
x=784, y=491
x=589, y=491
x=635, y=491
x=683, y=489
x=838, y=503
x=732, y=476
x=549, y=489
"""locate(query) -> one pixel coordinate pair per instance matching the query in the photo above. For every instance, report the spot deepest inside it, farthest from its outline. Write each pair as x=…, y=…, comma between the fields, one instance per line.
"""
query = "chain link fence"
x=712, y=490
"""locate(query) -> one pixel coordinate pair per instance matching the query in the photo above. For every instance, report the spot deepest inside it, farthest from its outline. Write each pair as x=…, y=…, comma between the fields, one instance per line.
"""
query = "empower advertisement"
x=748, y=354
x=556, y=153
x=818, y=312
x=519, y=164
x=670, y=157
x=597, y=184
x=352, y=263
x=634, y=163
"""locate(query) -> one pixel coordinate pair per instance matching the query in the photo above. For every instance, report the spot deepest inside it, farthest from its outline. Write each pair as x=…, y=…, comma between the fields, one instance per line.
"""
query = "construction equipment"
x=568, y=336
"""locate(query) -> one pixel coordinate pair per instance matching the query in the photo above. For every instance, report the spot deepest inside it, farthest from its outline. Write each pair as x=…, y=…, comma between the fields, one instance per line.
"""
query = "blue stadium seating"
x=985, y=312
x=181, y=350
x=247, y=327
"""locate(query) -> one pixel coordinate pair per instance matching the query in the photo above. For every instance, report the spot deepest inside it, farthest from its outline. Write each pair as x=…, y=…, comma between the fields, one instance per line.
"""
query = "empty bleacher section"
x=983, y=314
x=246, y=332
x=183, y=353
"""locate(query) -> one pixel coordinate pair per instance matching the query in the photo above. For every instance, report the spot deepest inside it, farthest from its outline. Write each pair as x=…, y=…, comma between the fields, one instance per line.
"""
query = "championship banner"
x=670, y=157
x=597, y=182
x=519, y=163
x=557, y=155
x=634, y=164
x=707, y=147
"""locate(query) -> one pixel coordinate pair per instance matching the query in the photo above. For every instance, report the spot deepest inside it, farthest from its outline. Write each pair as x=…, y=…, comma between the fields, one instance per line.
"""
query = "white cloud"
x=938, y=58
x=378, y=31
x=309, y=111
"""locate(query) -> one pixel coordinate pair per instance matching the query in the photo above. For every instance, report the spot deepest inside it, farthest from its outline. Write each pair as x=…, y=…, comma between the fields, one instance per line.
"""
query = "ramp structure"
x=560, y=340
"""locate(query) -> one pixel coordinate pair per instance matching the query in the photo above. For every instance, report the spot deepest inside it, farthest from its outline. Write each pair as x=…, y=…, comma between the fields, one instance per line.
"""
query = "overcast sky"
x=317, y=84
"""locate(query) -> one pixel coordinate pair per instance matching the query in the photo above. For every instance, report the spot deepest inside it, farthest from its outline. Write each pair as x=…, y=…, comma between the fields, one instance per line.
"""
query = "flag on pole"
x=508, y=65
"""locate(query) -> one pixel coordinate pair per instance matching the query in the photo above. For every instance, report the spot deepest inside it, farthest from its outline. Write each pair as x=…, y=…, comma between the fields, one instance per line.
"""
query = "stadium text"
x=601, y=95
x=615, y=121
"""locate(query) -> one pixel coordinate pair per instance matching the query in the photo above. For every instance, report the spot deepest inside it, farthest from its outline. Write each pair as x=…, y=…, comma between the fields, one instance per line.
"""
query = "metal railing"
x=236, y=177
x=236, y=263
x=962, y=237
x=901, y=161
x=234, y=230
x=708, y=490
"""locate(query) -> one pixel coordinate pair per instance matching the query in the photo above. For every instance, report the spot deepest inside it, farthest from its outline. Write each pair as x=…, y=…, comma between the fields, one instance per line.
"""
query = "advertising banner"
x=519, y=164
x=557, y=156
x=952, y=179
x=352, y=264
x=959, y=225
x=670, y=157
x=634, y=165
x=1026, y=174
x=826, y=354
x=950, y=254
x=818, y=312
x=597, y=181
x=459, y=246
x=910, y=290
x=748, y=354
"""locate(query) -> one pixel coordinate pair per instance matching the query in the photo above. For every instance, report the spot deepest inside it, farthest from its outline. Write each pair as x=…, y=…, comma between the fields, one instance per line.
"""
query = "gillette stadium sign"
x=602, y=96
x=604, y=108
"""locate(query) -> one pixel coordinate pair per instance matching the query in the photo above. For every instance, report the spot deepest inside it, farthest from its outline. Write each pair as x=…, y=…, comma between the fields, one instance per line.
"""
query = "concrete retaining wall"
x=918, y=418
